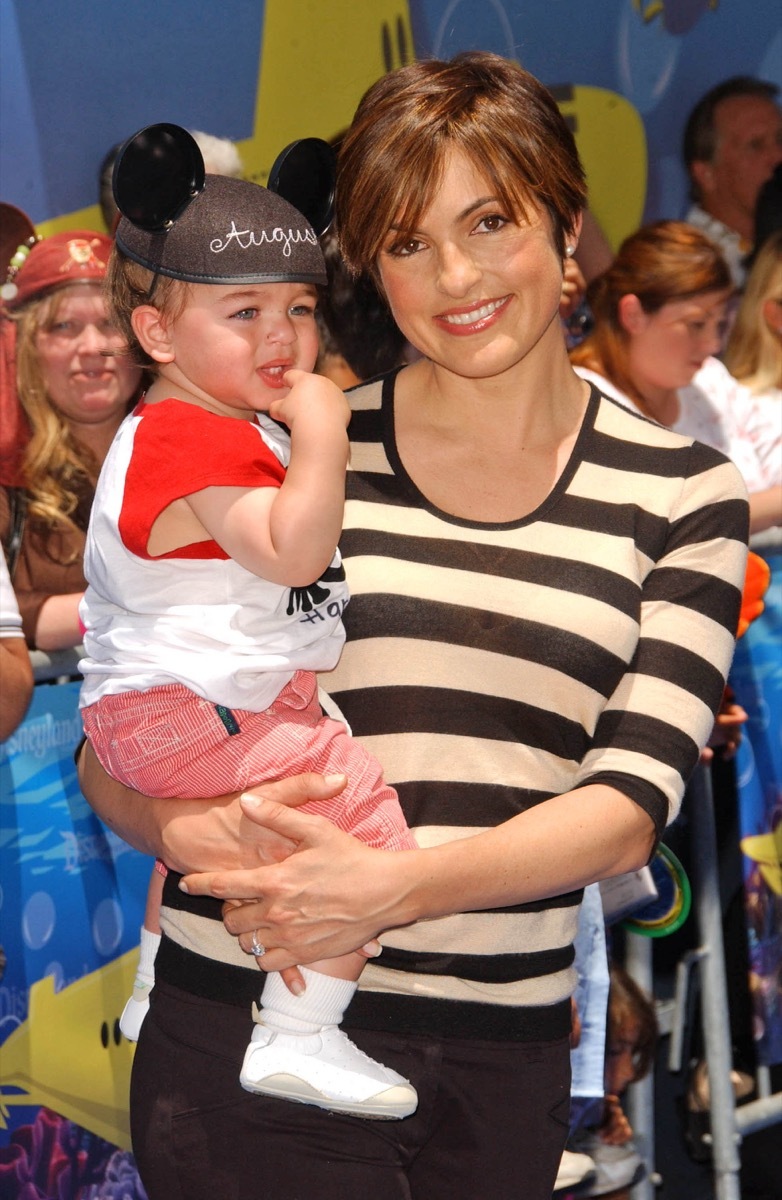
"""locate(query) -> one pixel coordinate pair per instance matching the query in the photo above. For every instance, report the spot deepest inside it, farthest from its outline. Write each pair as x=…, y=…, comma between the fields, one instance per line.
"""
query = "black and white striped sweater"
x=490, y=667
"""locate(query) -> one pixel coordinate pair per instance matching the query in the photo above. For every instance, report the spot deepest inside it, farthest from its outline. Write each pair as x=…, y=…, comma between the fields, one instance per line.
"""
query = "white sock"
x=145, y=972
x=322, y=1003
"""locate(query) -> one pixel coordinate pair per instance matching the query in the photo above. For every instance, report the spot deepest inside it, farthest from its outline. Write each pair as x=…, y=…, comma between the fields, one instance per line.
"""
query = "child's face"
x=620, y=1057
x=233, y=343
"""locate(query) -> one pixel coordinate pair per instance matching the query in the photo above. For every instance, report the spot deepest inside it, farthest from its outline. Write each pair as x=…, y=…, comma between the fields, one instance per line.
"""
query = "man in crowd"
x=732, y=144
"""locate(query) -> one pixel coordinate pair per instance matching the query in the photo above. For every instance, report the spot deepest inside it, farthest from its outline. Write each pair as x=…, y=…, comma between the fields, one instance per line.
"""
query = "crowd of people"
x=542, y=530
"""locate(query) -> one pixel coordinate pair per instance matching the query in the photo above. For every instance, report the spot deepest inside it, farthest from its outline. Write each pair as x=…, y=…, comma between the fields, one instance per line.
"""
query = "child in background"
x=215, y=589
x=631, y=1038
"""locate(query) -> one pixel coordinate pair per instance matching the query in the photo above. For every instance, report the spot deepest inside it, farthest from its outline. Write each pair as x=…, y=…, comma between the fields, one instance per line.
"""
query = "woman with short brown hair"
x=527, y=652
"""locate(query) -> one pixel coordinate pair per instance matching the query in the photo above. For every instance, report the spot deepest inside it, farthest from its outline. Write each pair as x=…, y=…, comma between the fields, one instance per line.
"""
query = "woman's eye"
x=63, y=327
x=404, y=247
x=491, y=223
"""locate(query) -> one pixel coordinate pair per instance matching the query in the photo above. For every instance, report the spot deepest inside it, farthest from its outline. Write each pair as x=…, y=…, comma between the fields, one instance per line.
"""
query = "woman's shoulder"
x=369, y=395
x=603, y=385
x=616, y=417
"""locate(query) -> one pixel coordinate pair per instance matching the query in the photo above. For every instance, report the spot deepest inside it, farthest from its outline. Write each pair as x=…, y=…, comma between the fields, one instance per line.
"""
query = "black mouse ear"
x=157, y=173
x=304, y=174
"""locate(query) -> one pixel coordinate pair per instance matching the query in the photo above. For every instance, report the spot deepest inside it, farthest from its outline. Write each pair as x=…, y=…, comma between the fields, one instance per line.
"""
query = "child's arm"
x=289, y=534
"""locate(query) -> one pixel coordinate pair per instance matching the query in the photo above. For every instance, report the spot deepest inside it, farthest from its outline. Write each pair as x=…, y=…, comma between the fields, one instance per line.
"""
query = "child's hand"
x=313, y=400
x=615, y=1130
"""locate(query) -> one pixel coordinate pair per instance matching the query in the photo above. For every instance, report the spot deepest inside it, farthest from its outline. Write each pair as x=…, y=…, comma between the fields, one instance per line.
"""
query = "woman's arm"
x=308, y=910
x=57, y=626
x=16, y=672
x=197, y=835
x=16, y=683
x=334, y=894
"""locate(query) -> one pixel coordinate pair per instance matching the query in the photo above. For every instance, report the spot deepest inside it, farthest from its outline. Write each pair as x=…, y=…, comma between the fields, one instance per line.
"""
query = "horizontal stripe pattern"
x=492, y=666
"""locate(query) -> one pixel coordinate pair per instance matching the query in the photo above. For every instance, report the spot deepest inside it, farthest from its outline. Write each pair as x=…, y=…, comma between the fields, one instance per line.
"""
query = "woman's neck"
x=661, y=404
x=97, y=437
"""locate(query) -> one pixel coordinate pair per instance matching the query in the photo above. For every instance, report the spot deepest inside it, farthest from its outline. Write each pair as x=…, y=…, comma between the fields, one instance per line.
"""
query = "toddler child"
x=215, y=589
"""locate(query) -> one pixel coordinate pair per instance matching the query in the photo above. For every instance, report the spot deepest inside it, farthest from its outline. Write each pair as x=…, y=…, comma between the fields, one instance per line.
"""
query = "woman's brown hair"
x=659, y=263
x=502, y=118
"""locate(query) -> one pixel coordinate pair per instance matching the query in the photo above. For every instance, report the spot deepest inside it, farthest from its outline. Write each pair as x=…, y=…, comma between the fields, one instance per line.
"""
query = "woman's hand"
x=199, y=835
x=333, y=896
x=726, y=734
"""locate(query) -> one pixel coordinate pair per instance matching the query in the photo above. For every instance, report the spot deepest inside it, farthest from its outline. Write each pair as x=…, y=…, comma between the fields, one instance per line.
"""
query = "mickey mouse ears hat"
x=178, y=221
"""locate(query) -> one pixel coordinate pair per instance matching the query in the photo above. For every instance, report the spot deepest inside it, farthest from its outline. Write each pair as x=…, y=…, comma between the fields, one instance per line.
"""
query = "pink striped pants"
x=168, y=741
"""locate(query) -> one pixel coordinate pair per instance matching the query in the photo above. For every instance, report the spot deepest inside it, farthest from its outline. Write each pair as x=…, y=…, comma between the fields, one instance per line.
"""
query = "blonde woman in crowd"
x=74, y=394
x=754, y=357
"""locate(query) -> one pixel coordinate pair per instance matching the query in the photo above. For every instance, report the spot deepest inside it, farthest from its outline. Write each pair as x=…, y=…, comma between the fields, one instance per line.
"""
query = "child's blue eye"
x=245, y=314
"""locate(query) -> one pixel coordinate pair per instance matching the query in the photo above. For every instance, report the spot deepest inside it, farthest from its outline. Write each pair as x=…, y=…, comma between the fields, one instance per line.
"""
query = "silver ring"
x=257, y=948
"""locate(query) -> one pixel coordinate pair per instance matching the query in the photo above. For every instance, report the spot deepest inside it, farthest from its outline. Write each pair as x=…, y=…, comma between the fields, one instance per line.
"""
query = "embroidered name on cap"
x=247, y=238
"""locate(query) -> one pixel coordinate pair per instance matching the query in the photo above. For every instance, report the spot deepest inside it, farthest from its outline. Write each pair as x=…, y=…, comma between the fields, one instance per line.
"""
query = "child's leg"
x=330, y=987
x=298, y=1052
x=137, y=1006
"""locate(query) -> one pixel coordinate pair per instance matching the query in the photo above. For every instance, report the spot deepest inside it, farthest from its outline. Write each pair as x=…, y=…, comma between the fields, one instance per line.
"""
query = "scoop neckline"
x=387, y=410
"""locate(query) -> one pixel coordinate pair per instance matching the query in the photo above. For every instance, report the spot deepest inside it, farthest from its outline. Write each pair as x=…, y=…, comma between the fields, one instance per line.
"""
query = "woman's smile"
x=474, y=319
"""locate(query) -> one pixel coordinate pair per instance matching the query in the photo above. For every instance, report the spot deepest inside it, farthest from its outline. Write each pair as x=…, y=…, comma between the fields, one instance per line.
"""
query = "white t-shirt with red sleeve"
x=194, y=616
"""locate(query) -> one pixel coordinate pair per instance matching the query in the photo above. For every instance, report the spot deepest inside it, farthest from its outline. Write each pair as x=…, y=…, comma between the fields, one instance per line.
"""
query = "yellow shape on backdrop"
x=611, y=140
x=317, y=60
x=766, y=850
x=69, y=1055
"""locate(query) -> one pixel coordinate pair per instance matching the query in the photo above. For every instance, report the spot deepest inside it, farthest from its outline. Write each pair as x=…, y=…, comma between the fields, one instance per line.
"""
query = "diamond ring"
x=257, y=948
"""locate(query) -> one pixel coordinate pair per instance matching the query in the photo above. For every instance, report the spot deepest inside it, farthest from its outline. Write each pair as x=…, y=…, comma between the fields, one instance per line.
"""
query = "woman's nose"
x=714, y=338
x=93, y=340
x=457, y=271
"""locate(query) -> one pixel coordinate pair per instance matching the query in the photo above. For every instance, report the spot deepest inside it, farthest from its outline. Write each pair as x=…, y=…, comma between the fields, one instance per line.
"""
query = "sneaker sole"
x=390, y=1105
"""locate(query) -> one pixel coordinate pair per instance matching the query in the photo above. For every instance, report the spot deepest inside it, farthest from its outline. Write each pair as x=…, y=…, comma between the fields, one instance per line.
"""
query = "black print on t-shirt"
x=305, y=599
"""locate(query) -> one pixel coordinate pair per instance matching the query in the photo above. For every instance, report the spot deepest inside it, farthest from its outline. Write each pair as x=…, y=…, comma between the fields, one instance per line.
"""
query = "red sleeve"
x=179, y=449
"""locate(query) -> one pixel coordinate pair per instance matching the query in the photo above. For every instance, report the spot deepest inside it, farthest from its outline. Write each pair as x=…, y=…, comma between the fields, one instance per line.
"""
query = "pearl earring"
x=570, y=251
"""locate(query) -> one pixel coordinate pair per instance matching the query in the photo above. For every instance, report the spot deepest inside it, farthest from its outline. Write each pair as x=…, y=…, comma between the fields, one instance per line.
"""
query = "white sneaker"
x=615, y=1166
x=573, y=1168
x=134, y=1012
x=325, y=1069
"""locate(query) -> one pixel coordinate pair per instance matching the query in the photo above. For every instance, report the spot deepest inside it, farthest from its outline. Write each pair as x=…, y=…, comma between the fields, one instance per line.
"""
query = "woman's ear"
x=772, y=315
x=632, y=317
x=573, y=234
x=150, y=327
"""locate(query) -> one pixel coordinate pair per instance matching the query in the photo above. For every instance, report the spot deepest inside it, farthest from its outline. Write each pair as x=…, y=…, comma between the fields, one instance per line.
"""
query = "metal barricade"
x=728, y=1123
